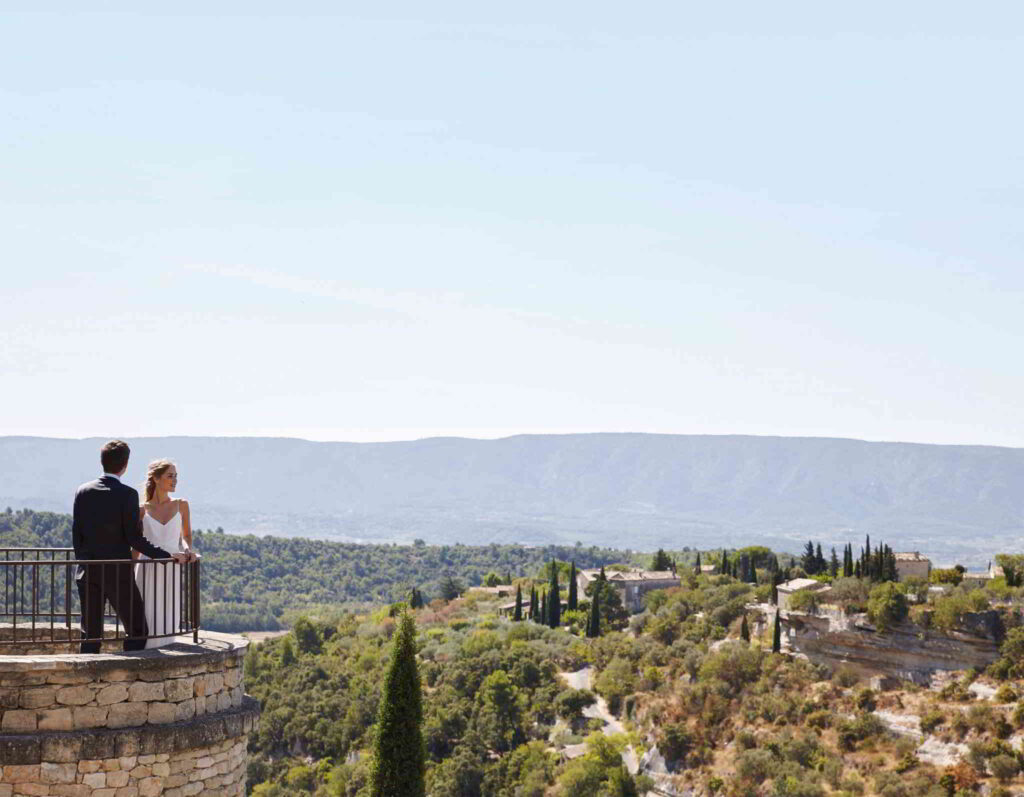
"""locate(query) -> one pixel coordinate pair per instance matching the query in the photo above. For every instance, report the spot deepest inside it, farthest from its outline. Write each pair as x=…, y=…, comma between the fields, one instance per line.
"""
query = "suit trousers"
x=114, y=583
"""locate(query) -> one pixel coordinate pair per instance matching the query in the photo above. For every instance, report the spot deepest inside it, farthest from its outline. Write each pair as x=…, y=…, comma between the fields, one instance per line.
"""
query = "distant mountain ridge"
x=623, y=490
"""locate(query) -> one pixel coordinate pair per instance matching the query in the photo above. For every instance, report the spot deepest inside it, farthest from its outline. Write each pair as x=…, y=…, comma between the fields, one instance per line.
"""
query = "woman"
x=165, y=523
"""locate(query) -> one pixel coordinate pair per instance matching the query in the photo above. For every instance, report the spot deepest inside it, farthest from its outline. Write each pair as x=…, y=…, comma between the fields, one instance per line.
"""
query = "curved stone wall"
x=172, y=721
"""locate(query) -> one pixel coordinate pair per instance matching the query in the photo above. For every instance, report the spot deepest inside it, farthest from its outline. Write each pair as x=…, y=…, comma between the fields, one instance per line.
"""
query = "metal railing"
x=44, y=590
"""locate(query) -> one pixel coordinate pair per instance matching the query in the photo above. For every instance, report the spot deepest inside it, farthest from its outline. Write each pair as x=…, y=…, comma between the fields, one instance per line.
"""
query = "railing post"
x=195, y=604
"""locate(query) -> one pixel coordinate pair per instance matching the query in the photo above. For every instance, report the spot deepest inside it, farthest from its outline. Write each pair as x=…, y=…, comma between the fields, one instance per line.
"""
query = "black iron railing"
x=43, y=598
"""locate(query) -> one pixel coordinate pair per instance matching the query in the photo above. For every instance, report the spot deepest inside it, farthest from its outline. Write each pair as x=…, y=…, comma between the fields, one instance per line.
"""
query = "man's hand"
x=181, y=558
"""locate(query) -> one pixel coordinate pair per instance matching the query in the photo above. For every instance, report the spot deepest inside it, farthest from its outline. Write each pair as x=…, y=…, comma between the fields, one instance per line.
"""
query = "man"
x=106, y=525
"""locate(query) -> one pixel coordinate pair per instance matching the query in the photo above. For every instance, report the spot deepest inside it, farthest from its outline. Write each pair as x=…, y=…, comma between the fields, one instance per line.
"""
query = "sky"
x=413, y=219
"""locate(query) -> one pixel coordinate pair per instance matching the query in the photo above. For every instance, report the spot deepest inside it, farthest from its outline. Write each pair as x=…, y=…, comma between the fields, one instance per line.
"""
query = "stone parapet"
x=172, y=720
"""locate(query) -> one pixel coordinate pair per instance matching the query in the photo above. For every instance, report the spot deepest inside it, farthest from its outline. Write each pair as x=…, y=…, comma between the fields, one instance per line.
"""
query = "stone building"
x=171, y=721
x=632, y=584
x=911, y=563
x=787, y=589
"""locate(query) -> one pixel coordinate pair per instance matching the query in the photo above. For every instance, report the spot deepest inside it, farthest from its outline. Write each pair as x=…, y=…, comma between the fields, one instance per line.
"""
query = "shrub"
x=1005, y=694
x=755, y=765
x=887, y=605
x=675, y=741
x=846, y=676
x=865, y=700
x=804, y=601
x=931, y=720
x=1003, y=767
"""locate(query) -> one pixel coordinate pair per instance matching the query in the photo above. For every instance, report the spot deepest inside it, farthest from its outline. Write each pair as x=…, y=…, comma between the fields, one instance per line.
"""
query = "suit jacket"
x=106, y=523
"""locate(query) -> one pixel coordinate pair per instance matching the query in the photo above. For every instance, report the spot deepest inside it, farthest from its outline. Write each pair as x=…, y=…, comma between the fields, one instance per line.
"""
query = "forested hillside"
x=260, y=583
x=711, y=700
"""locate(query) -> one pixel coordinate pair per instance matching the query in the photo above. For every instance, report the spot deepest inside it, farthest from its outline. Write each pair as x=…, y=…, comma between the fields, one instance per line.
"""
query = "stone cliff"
x=904, y=651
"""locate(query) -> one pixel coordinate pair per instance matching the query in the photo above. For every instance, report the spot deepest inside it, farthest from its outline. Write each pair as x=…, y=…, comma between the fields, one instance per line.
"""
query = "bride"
x=165, y=523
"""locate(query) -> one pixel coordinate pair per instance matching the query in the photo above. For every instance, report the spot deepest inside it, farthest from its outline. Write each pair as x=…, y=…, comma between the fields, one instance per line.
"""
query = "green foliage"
x=253, y=583
x=887, y=605
x=307, y=638
x=1013, y=568
x=569, y=703
x=804, y=600
x=946, y=576
x=399, y=763
x=661, y=561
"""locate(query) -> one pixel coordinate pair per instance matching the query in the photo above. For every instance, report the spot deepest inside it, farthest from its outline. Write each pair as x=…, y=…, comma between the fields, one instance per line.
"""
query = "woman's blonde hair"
x=156, y=469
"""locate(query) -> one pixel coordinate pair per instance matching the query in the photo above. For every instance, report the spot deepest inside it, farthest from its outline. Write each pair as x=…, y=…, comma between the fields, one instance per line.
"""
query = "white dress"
x=160, y=584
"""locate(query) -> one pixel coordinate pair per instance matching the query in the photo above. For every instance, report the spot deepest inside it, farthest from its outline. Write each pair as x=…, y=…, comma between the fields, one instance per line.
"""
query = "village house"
x=632, y=584
x=787, y=590
x=910, y=564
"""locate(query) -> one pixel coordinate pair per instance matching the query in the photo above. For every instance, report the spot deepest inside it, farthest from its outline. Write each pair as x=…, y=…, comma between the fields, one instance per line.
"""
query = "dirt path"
x=582, y=679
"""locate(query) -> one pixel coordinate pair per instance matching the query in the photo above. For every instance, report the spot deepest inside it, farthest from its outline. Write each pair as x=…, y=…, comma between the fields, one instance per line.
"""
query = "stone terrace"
x=169, y=721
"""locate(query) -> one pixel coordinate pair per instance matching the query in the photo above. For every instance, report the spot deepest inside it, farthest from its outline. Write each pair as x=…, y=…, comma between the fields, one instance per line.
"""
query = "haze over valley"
x=957, y=503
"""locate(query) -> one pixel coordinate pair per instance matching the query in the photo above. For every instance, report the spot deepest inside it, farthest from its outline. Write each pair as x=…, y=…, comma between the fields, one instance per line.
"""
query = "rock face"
x=904, y=651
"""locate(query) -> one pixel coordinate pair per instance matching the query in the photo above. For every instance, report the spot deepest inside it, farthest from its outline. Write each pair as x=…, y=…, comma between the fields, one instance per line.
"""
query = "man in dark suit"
x=106, y=526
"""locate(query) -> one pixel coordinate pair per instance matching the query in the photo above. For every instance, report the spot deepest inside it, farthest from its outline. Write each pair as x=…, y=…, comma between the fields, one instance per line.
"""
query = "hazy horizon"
x=495, y=437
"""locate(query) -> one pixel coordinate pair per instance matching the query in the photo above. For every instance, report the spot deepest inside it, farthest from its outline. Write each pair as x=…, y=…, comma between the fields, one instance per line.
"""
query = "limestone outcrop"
x=904, y=651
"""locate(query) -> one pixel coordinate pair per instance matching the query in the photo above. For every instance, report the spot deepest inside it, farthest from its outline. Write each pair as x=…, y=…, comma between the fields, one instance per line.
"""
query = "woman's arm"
x=186, y=524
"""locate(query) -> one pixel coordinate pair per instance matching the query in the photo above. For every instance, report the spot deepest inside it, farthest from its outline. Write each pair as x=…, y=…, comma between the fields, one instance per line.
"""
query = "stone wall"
x=172, y=721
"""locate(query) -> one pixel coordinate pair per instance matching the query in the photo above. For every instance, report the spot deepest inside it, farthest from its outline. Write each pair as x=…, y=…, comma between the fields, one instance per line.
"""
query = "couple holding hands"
x=110, y=523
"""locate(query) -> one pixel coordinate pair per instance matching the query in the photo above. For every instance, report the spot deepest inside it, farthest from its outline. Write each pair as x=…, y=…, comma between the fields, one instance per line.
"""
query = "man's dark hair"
x=114, y=456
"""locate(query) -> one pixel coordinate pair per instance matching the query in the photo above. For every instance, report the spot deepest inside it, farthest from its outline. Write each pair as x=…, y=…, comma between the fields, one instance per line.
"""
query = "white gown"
x=160, y=586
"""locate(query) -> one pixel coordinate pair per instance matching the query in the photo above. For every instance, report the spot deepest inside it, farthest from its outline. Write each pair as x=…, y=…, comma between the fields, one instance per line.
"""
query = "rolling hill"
x=623, y=490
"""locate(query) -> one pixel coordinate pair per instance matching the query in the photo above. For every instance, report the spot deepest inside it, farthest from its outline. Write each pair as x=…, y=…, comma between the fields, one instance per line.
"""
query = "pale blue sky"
x=408, y=219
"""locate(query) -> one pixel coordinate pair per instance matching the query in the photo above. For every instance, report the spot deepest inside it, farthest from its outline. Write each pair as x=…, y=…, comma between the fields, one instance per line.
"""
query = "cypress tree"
x=696, y=567
x=519, y=604
x=543, y=608
x=856, y=570
x=554, y=598
x=833, y=566
x=775, y=593
x=594, y=621
x=745, y=630
x=533, y=603
x=399, y=755
x=574, y=599
x=724, y=570
x=777, y=634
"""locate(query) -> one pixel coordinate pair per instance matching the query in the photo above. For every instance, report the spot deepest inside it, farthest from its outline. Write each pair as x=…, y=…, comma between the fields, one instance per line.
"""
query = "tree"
x=725, y=563
x=574, y=600
x=808, y=561
x=554, y=598
x=833, y=565
x=519, y=604
x=544, y=617
x=415, y=599
x=497, y=714
x=594, y=623
x=451, y=588
x=745, y=630
x=697, y=567
x=775, y=593
x=1013, y=568
x=533, y=604
x=661, y=561
x=777, y=634
x=820, y=565
x=307, y=638
x=287, y=653
x=399, y=755
x=887, y=605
